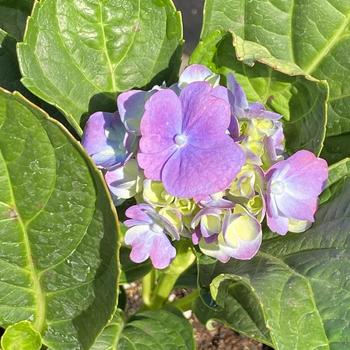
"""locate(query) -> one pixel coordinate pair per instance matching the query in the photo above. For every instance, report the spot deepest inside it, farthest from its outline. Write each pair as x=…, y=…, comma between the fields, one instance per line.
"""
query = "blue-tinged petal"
x=197, y=72
x=131, y=107
x=124, y=182
x=106, y=140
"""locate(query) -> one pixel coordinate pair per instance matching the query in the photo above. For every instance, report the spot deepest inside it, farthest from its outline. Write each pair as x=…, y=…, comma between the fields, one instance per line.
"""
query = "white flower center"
x=277, y=187
x=156, y=228
x=180, y=139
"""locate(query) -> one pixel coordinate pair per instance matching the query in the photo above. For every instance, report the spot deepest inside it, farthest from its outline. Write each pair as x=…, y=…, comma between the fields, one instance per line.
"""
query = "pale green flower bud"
x=155, y=194
x=247, y=182
x=298, y=226
x=173, y=216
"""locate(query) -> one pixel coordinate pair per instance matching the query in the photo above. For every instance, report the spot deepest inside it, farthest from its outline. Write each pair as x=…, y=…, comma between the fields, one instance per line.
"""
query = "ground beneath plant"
x=220, y=338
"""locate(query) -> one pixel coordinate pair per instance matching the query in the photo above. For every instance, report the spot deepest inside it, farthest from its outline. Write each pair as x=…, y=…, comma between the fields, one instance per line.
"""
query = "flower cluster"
x=203, y=164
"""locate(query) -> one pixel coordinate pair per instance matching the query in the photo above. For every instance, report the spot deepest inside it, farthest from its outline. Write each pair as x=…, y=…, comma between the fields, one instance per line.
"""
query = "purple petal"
x=225, y=94
x=257, y=110
x=131, y=106
x=277, y=224
x=153, y=163
x=220, y=203
x=193, y=73
x=106, y=140
x=293, y=188
x=162, y=252
x=140, y=238
x=240, y=99
x=163, y=115
x=206, y=117
x=195, y=172
x=161, y=121
x=139, y=213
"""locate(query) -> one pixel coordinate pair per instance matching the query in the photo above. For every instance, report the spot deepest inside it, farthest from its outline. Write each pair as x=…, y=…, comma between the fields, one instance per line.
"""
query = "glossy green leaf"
x=295, y=291
x=77, y=55
x=131, y=271
x=10, y=77
x=9, y=74
x=164, y=329
x=21, y=336
x=338, y=174
x=336, y=148
x=313, y=34
x=13, y=16
x=58, y=231
x=282, y=86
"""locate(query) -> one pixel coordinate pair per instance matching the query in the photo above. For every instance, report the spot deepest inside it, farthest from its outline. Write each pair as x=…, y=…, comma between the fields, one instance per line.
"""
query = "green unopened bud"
x=185, y=206
x=242, y=227
x=247, y=182
x=173, y=216
x=155, y=194
x=298, y=226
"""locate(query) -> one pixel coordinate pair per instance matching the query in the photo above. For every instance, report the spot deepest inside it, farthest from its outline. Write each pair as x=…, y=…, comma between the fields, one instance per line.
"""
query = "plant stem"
x=148, y=282
x=166, y=282
x=186, y=302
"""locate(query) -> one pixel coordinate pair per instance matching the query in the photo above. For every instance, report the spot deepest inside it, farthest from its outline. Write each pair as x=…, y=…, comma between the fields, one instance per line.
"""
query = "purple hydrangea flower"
x=184, y=142
x=106, y=140
x=293, y=187
x=148, y=236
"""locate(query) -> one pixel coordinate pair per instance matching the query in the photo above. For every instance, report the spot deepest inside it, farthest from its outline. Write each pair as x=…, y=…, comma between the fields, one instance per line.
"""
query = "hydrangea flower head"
x=184, y=142
x=209, y=164
x=293, y=187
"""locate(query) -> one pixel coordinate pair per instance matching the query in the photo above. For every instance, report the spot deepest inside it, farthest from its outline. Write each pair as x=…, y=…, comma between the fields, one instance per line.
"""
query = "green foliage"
x=21, y=336
x=131, y=271
x=164, y=329
x=295, y=293
x=10, y=75
x=77, y=55
x=58, y=231
x=313, y=35
x=281, y=86
x=13, y=16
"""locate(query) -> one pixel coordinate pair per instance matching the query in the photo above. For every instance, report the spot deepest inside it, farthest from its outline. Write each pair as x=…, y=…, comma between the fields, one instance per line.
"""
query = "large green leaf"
x=338, y=174
x=313, y=34
x=13, y=16
x=148, y=330
x=58, y=231
x=295, y=294
x=9, y=74
x=78, y=54
x=281, y=86
x=336, y=148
